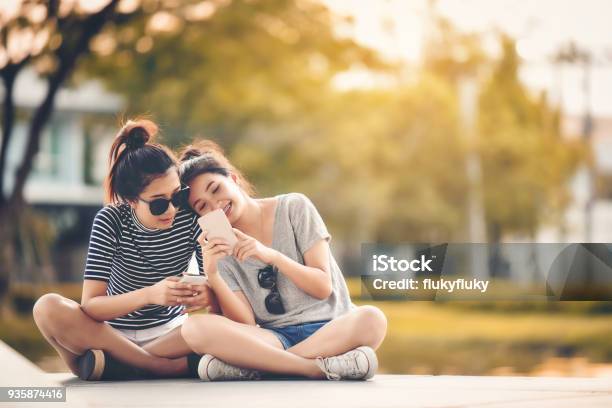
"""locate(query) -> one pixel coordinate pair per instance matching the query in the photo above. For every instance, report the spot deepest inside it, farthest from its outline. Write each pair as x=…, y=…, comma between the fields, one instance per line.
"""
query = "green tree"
x=526, y=163
x=245, y=64
x=380, y=164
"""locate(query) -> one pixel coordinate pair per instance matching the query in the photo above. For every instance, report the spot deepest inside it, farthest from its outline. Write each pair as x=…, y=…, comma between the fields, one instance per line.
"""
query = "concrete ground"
x=383, y=391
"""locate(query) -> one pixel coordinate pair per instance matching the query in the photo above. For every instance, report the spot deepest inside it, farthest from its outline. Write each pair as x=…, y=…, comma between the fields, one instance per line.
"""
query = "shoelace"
x=238, y=372
x=249, y=374
x=347, y=363
x=322, y=364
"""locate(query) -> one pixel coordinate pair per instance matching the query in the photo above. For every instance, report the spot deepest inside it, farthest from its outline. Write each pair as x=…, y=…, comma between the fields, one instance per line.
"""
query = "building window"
x=47, y=161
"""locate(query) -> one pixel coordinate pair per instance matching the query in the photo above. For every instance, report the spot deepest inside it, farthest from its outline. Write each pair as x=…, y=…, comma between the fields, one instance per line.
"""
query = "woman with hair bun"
x=132, y=305
x=286, y=307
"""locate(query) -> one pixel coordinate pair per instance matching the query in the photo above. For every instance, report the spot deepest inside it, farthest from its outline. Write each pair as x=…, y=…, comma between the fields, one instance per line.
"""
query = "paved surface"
x=383, y=391
x=18, y=371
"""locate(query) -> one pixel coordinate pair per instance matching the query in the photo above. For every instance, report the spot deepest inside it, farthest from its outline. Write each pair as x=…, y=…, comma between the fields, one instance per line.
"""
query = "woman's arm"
x=101, y=307
x=314, y=277
x=234, y=304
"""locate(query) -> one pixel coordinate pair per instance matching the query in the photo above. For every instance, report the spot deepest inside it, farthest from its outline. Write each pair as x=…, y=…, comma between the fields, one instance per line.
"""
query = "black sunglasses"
x=160, y=205
x=266, y=277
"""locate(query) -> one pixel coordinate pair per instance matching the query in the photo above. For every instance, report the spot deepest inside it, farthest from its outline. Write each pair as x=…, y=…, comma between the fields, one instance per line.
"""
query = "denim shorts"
x=289, y=336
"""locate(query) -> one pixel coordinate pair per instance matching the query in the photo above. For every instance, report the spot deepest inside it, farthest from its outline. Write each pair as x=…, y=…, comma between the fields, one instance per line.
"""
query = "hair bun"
x=189, y=153
x=136, y=137
x=200, y=148
x=137, y=133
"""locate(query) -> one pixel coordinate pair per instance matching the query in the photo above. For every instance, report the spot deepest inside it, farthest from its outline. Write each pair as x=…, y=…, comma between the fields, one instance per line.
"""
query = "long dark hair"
x=135, y=161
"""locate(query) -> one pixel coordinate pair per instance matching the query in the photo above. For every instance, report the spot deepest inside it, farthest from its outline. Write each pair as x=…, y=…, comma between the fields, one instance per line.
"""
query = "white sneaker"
x=211, y=368
x=358, y=364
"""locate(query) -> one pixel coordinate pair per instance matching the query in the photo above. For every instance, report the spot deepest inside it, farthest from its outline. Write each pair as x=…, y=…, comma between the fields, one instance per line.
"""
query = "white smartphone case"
x=218, y=226
x=195, y=279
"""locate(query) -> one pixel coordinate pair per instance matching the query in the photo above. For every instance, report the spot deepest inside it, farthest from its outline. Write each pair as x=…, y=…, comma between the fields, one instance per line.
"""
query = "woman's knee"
x=45, y=306
x=53, y=310
x=371, y=325
x=197, y=331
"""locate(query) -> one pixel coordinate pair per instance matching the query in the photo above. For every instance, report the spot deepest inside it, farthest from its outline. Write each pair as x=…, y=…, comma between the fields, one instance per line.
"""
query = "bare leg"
x=364, y=326
x=72, y=332
x=171, y=345
x=258, y=348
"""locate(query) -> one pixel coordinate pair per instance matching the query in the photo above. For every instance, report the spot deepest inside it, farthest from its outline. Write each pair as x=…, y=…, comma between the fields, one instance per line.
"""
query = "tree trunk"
x=8, y=222
x=8, y=120
x=91, y=27
x=6, y=233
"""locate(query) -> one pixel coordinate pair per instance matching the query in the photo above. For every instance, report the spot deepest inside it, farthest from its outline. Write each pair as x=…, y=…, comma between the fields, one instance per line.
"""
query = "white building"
x=70, y=166
x=65, y=184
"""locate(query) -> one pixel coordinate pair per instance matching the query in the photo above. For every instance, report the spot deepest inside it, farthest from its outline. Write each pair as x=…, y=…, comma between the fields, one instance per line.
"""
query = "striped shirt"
x=129, y=256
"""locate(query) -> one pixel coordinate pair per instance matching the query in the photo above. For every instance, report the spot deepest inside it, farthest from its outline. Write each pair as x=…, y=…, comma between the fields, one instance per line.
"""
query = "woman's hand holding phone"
x=168, y=292
x=203, y=297
x=212, y=251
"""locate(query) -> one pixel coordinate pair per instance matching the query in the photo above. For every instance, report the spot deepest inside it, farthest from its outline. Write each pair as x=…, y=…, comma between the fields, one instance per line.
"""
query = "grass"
x=445, y=338
x=427, y=337
x=472, y=337
x=21, y=334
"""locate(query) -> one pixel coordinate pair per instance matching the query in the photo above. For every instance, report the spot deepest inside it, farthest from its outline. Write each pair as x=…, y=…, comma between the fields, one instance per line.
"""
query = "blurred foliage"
x=24, y=295
x=525, y=161
x=251, y=62
x=31, y=241
x=23, y=335
x=17, y=327
x=434, y=338
x=452, y=54
x=383, y=164
x=380, y=165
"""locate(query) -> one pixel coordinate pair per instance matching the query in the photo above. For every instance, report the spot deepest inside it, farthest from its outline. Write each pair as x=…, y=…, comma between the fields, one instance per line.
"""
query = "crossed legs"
x=72, y=332
x=256, y=348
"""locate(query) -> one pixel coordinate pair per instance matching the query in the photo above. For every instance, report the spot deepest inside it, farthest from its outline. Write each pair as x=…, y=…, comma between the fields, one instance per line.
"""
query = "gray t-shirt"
x=297, y=227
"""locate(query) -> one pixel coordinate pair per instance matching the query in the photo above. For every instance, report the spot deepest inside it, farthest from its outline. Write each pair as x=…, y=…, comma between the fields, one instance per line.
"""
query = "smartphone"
x=195, y=279
x=218, y=226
